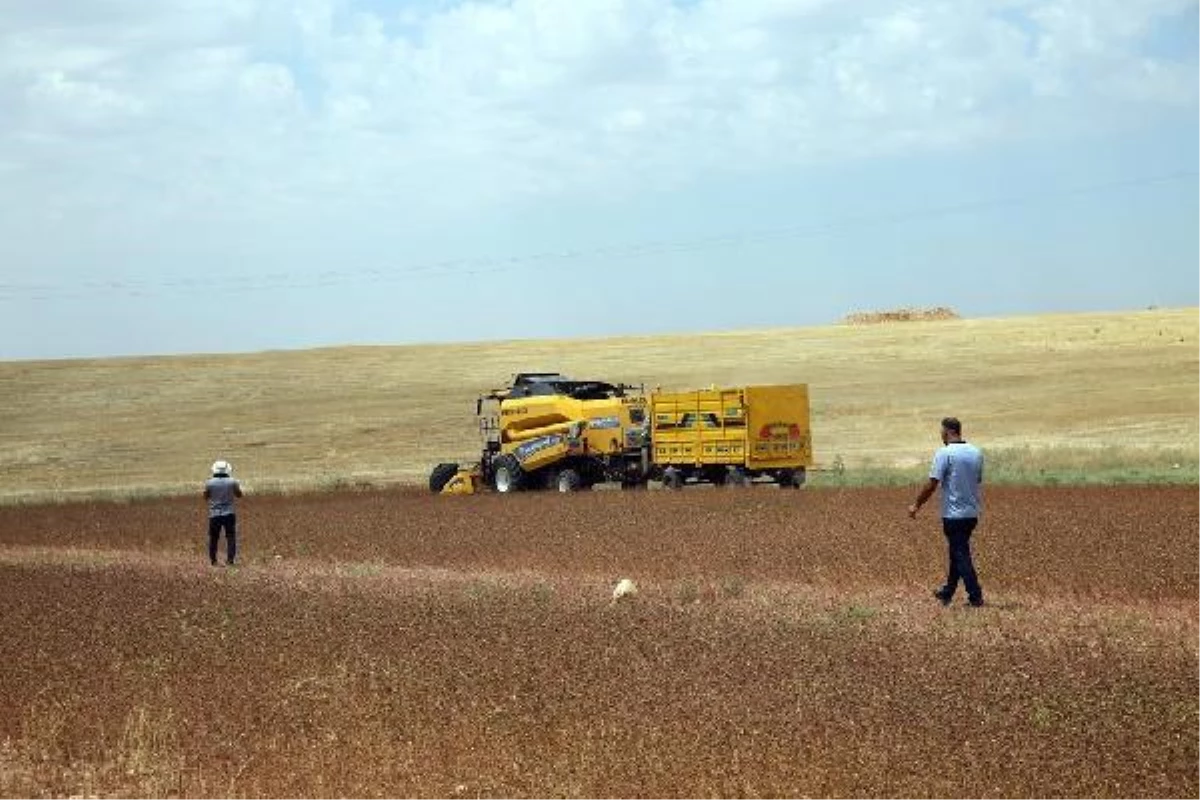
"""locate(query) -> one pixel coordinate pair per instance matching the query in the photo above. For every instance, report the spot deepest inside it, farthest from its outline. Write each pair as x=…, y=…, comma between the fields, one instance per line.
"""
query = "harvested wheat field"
x=1113, y=393
x=782, y=643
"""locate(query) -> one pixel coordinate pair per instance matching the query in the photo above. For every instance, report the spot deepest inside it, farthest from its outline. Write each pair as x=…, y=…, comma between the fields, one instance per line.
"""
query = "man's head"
x=951, y=430
x=221, y=469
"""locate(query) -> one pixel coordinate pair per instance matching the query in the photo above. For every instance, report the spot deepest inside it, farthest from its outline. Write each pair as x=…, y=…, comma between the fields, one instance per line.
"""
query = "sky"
x=203, y=176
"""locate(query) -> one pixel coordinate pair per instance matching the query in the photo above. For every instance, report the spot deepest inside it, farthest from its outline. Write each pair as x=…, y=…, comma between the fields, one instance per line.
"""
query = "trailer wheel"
x=568, y=480
x=672, y=478
x=507, y=474
x=738, y=478
x=716, y=475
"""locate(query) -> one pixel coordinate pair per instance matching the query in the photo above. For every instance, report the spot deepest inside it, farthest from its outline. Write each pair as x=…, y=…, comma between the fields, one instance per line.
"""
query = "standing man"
x=958, y=469
x=221, y=491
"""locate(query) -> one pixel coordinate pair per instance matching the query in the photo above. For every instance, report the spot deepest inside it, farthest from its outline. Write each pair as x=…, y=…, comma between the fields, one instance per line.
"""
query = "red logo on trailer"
x=779, y=430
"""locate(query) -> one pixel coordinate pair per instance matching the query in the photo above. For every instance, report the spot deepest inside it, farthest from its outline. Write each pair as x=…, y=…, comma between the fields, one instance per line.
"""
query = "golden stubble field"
x=392, y=643
x=1049, y=388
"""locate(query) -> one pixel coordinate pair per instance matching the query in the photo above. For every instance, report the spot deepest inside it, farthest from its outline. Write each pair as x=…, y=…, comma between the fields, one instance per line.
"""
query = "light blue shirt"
x=958, y=467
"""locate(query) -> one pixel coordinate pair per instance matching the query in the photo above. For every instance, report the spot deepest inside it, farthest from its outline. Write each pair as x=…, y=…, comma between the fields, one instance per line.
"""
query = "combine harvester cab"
x=733, y=436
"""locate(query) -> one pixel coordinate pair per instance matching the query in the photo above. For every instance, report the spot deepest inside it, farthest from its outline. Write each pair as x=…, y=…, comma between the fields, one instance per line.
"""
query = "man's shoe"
x=942, y=596
x=975, y=601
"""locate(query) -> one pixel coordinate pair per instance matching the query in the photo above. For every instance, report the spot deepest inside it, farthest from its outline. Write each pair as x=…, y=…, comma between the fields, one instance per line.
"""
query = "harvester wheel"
x=507, y=474
x=568, y=480
x=786, y=479
x=441, y=475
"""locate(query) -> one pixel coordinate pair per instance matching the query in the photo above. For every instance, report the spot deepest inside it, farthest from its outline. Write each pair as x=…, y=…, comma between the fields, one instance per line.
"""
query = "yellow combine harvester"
x=547, y=431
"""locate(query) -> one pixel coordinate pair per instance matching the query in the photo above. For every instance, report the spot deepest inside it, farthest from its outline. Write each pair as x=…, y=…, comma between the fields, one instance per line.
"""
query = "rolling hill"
x=1111, y=393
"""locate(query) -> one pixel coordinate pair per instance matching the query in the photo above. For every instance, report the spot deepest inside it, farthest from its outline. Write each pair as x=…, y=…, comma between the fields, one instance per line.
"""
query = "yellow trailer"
x=734, y=434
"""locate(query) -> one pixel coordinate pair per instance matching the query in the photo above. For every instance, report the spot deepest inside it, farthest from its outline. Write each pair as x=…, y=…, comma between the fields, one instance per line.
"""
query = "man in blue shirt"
x=958, y=469
x=221, y=491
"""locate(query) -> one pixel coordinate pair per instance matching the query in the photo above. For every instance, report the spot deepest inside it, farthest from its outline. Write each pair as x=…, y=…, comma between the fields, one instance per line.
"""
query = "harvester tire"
x=568, y=480
x=786, y=479
x=507, y=474
x=441, y=475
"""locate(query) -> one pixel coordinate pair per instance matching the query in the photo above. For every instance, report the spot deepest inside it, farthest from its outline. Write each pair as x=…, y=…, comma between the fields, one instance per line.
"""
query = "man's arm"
x=237, y=490
x=937, y=471
x=926, y=492
x=206, y=493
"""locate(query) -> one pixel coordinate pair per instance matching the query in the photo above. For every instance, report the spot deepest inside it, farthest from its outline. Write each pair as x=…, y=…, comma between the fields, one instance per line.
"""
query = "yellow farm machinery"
x=547, y=431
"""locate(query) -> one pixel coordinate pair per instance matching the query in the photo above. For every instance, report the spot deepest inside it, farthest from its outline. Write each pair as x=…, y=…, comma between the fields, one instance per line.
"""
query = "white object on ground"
x=624, y=588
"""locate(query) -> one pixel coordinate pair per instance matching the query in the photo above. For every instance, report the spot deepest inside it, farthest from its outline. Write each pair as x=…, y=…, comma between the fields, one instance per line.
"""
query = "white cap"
x=221, y=468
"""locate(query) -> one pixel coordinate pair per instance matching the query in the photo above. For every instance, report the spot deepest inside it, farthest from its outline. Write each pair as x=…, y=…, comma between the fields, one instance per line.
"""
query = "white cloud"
x=81, y=102
x=262, y=107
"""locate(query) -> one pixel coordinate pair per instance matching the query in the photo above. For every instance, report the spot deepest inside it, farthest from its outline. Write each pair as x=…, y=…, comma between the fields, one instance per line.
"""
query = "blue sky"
x=240, y=175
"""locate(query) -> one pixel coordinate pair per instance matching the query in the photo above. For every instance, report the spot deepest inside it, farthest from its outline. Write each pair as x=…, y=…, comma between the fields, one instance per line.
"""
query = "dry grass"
x=347, y=417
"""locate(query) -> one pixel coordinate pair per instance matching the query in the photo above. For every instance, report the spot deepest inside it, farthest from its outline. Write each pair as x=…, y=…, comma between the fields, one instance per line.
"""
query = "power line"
x=469, y=267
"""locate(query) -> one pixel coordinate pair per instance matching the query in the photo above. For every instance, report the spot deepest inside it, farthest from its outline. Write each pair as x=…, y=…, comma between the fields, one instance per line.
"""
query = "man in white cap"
x=221, y=491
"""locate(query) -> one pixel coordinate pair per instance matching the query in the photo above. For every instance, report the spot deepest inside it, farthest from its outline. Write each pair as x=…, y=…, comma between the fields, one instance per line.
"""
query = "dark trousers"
x=228, y=522
x=958, y=537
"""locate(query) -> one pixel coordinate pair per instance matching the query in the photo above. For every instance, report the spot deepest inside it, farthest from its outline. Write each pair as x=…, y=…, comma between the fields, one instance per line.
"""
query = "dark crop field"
x=781, y=644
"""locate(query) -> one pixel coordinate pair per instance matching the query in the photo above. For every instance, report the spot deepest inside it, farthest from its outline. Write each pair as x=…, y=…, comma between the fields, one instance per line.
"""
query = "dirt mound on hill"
x=900, y=315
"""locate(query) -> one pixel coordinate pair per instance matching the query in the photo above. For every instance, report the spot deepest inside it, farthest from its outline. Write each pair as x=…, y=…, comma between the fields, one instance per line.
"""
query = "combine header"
x=547, y=431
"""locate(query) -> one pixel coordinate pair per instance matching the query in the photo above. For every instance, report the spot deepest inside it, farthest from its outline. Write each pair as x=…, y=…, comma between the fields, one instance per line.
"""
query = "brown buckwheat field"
x=393, y=643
